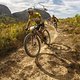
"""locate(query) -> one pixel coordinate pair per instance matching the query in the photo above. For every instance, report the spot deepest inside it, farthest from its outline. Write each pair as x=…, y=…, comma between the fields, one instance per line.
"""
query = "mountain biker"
x=34, y=19
x=54, y=20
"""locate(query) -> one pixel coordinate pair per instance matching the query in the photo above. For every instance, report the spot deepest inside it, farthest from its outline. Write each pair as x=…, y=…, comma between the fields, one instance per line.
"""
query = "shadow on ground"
x=61, y=63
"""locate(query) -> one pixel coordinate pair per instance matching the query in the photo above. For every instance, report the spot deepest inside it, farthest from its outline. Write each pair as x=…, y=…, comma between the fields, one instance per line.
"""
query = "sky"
x=60, y=8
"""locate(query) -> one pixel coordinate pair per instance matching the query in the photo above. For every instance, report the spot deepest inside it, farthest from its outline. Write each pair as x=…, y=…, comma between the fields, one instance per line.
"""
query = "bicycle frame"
x=35, y=32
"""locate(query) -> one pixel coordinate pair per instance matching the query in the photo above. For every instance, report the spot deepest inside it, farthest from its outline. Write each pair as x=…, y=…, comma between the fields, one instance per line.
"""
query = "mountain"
x=4, y=10
x=21, y=16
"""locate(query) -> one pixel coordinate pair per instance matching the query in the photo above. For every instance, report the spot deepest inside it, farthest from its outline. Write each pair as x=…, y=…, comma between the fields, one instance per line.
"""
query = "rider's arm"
x=29, y=21
x=40, y=17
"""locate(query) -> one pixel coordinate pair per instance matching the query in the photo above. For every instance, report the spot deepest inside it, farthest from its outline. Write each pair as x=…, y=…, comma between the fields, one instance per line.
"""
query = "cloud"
x=61, y=8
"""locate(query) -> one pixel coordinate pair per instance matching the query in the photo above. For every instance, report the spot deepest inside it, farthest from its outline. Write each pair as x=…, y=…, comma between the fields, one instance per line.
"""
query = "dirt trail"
x=55, y=62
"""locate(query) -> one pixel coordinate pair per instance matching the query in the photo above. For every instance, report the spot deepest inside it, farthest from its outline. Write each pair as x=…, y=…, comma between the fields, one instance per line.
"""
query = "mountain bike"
x=33, y=40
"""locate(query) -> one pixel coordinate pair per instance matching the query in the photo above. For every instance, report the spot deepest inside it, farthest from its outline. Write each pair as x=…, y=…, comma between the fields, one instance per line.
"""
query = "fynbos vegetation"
x=71, y=25
x=11, y=34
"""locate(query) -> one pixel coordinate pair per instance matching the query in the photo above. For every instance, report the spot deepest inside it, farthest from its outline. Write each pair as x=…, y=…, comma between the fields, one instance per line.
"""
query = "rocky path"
x=55, y=62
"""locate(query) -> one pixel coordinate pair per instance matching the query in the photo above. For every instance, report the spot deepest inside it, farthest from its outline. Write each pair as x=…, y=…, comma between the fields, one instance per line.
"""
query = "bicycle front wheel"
x=32, y=45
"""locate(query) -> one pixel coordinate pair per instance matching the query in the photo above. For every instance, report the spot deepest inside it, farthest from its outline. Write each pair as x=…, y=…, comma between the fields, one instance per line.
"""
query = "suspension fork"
x=32, y=39
x=40, y=34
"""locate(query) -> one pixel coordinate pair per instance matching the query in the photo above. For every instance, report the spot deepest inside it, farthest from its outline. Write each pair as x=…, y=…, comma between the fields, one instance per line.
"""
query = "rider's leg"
x=43, y=35
x=40, y=29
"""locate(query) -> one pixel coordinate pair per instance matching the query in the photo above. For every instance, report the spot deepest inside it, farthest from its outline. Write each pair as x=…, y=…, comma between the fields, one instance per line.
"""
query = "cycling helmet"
x=30, y=9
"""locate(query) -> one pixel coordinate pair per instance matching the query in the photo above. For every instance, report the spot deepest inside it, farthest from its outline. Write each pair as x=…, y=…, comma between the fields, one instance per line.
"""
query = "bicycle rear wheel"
x=47, y=38
x=32, y=45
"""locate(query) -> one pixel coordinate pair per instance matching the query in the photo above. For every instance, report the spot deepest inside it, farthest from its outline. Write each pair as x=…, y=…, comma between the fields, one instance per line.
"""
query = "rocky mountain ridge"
x=21, y=16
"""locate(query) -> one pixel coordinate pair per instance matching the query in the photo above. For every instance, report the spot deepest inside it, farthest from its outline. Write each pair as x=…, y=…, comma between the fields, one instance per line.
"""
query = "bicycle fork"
x=41, y=36
x=33, y=37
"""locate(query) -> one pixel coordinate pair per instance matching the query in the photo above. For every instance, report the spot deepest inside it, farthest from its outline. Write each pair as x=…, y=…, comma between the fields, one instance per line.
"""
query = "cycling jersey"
x=34, y=19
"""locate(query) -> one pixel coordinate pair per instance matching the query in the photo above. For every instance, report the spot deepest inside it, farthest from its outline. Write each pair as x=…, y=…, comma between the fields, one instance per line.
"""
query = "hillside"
x=60, y=61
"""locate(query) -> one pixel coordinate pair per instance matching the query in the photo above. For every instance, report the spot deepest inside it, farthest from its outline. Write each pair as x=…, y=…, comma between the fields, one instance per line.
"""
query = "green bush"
x=74, y=21
x=11, y=36
x=71, y=25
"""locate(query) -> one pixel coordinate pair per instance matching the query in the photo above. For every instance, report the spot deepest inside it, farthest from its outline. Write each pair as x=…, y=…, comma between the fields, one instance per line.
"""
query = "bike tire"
x=26, y=49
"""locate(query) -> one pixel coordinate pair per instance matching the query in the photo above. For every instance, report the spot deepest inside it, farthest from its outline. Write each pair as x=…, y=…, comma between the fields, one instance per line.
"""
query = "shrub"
x=11, y=36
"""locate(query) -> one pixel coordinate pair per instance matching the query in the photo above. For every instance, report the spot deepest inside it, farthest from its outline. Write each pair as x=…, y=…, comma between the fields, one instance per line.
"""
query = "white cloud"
x=65, y=9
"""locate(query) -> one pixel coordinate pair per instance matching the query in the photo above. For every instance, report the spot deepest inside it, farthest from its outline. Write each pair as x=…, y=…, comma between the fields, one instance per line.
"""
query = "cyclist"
x=54, y=20
x=34, y=19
